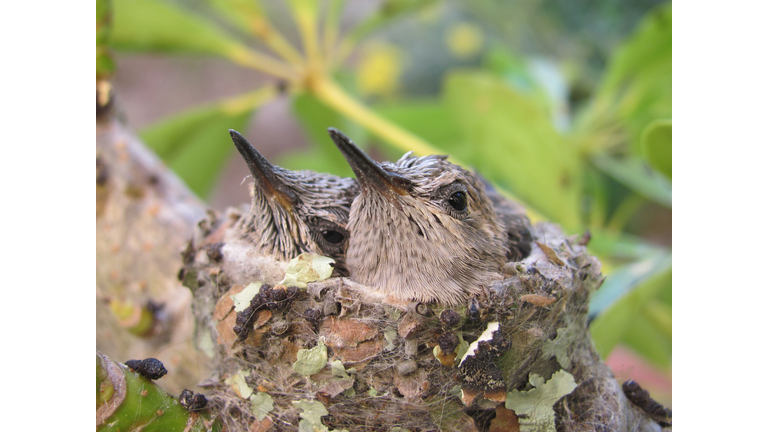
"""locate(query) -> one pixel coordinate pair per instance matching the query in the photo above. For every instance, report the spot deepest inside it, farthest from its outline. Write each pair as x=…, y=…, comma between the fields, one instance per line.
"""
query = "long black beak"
x=370, y=173
x=264, y=174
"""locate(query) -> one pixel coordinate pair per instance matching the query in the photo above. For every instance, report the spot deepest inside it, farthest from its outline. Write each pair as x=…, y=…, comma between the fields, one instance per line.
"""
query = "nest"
x=401, y=364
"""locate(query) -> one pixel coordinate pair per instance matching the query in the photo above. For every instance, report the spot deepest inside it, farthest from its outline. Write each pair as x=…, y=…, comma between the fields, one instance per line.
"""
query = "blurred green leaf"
x=513, y=68
x=105, y=66
x=659, y=315
x=618, y=303
x=242, y=13
x=623, y=280
x=154, y=25
x=389, y=11
x=665, y=296
x=620, y=246
x=524, y=75
x=595, y=199
x=196, y=143
x=657, y=146
x=645, y=338
x=513, y=143
x=637, y=87
x=103, y=20
x=425, y=118
x=634, y=174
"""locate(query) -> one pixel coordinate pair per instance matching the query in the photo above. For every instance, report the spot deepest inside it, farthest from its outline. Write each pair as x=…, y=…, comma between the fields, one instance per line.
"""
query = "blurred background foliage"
x=564, y=105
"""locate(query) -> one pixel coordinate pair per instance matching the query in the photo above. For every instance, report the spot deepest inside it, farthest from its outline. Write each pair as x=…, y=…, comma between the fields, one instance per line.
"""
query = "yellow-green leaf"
x=637, y=87
x=510, y=140
x=154, y=25
x=627, y=290
x=657, y=146
x=196, y=143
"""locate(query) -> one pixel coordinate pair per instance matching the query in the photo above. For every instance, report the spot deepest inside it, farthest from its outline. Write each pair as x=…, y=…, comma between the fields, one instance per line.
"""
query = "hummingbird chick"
x=294, y=211
x=517, y=226
x=421, y=229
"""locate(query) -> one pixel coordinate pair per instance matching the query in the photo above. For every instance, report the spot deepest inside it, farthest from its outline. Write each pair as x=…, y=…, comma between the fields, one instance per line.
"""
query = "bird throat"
x=412, y=252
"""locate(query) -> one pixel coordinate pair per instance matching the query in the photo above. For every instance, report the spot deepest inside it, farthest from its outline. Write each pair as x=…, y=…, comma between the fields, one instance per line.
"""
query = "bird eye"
x=333, y=237
x=458, y=201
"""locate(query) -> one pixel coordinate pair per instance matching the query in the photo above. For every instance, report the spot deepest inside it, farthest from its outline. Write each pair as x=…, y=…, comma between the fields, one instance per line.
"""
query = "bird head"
x=295, y=211
x=422, y=228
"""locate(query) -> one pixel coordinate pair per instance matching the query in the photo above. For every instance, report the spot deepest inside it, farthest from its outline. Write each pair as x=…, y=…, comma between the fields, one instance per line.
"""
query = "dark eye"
x=333, y=237
x=458, y=201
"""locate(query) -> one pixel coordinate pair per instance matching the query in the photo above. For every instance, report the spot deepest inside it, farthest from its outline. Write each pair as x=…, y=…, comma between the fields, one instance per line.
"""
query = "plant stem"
x=258, y=61
x=305, y=14
x=249, y=101
x=329, y=93
x=262, y=29
x=331, y=27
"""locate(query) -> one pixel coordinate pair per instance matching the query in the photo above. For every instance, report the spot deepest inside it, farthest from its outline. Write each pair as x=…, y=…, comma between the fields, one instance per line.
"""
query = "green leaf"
x=534, y=407
x=513, y=143
x=242, y=13
x=196, y=143
x=521, y=74
x=105, y=66
x=388, y=12
x=624, y=279
x=637, y=86
x=311, y=361
x=154, y=25
x=425, y=118
x=657, y=146
x=620, y=246
x=634, y=174
x=659, y=315
x=619, y=302
x=646, y=338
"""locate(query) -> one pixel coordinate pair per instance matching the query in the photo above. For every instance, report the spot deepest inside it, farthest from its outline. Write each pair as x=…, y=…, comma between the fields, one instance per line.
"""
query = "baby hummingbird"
x=294, y=211
x=421, y=229
x=517, y=226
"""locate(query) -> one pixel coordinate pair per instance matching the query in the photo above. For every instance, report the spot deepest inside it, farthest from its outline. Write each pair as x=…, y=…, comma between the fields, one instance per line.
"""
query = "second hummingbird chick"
x=517, y=226
x=294, y=211
x=421, y=229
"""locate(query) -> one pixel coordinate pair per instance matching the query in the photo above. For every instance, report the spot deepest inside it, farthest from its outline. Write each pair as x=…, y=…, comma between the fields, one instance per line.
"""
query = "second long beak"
x=369, y=172
x=264, y=174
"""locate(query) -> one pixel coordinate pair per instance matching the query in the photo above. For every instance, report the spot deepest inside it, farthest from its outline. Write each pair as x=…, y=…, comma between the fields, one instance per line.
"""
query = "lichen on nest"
x=375, y=366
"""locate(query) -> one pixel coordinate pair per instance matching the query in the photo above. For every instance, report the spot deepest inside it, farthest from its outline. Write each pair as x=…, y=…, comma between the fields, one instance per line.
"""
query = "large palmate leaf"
x=196, y=143
x=509, y=139
x=154, y=25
